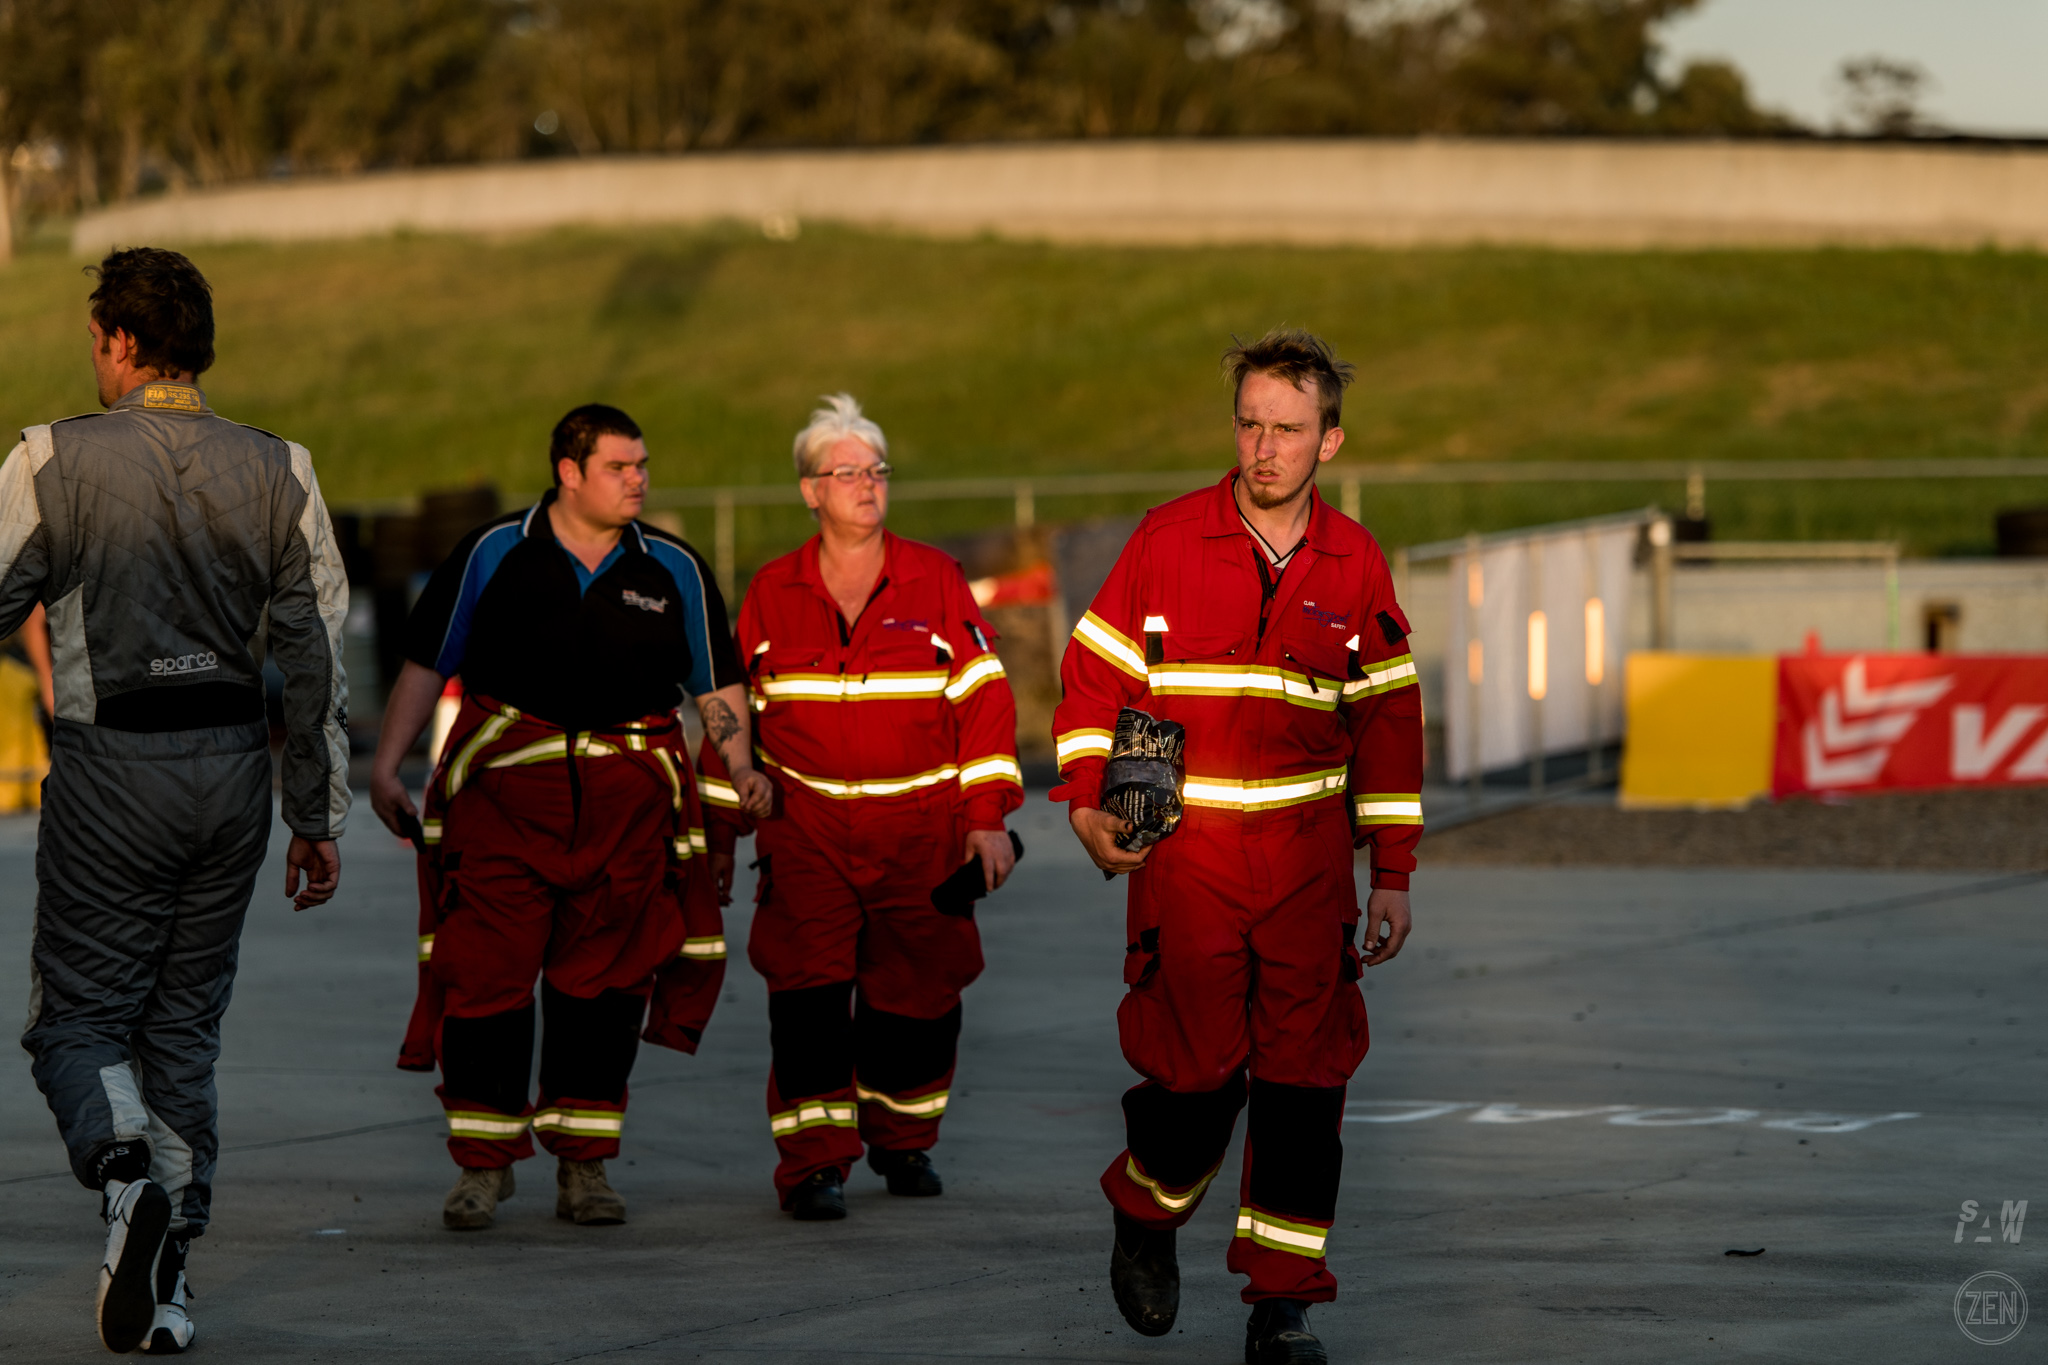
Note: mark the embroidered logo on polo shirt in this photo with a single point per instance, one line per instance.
(634, 599)
(173, 397)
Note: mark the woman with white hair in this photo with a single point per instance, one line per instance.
(884, 720)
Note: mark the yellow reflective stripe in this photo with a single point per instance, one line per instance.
(430, 831)
(490, 1127)
(709, 949)
(1389, 808)
(1172, 1203)
(550, 749)
(680, 846)
(1219, 680)
(815, 1115)
(609, 1122)
(494, 725)
(985, 669)
(852, 687)
(881, 786)
(1386, 675)
(717, 793)
(426, 947)
(1077, 743)
(698, 843)
(994, 768)
(1114, 646)
(1264, 793)
(922, 1106)
(1303, 1239)
(668, 766)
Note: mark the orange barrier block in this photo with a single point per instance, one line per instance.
(1701, 729)
(24, 758)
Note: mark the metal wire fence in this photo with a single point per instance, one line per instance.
(1025, 493)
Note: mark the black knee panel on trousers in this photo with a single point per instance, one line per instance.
(894, 1053)
(587, 1047)
(1297, 1153)
(488, 1060)
(1179, 1138)
(810, 1033)
(122, 1159)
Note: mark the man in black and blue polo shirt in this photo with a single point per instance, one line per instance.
(558, 824)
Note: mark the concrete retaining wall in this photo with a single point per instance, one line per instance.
(1552, 192)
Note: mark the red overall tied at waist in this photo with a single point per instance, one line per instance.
(680, 938)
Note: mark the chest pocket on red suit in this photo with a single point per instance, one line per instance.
(1197, 647)
(788, 659)
(776, 662)
(1319, 654)
(904, 654)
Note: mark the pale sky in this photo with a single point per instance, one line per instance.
(1988, 58)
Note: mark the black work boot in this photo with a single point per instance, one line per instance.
(908, 1173)
(820, 1198)
(1145, 1277)
(1278, 1335)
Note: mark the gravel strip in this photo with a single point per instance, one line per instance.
(1987, 830)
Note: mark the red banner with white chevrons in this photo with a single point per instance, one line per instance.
(1873, 722)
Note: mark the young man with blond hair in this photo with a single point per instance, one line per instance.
(1264, 622)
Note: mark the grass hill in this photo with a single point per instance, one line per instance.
(413, 363)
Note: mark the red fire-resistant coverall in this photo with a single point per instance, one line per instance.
(887, 740)
(598, 887)
(1304, 737)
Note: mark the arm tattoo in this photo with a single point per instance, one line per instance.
(719, 721)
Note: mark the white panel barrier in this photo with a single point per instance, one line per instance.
(1539, 624)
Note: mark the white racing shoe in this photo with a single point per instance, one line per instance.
(172, 1331)
(138, 1214)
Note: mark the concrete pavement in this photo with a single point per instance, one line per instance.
(1585, 1087)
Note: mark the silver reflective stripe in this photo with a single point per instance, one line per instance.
(330, 588)
(124, 1098)
(69, 660)
(170, 1164)
(20, 514)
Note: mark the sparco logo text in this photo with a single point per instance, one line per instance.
(184, 663)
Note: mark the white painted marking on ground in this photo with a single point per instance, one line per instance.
(1682, 1118)
(1516, 1113)
(1401, 1111)
(1837, 1123)
(1619, 1115)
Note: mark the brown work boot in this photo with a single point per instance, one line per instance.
(473, 1203)
(583, 1194)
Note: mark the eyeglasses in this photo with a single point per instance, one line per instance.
(846, 476)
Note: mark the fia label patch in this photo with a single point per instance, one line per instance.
(172, 398)
(645, 603)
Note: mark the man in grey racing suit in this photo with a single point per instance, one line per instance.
(168, 546)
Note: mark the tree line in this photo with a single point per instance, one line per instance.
(100, 102)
